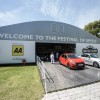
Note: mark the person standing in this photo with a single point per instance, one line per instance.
(57, 55)
(52, 58)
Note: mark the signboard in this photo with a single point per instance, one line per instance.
(46, 38)
(90, 49)
(17, 50)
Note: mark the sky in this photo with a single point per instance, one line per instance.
(75, 12)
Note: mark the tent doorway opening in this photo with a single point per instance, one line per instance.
(43, 50)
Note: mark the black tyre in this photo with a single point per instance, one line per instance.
(68, 65)
(83, 67)
(95, 64)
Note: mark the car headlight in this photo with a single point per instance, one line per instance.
(72, 62)
(83, 61)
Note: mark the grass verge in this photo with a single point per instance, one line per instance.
(20, 83)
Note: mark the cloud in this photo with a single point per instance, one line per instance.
(7, 16)
(50, 8)
(59, 10)
(23, 13)
(69, 12)
(10, 17)
(86, 17)
(56, 10)
(66, 13)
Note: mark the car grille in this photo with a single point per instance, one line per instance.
(80, 65)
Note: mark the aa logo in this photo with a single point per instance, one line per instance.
(17, 50)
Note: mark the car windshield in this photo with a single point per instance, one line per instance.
(94, 56)
(72, 56)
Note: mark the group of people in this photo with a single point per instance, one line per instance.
(52, 57)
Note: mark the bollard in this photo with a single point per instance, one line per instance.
(24, 61)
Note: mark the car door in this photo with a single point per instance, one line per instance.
(83, 57)
(87, 59)
(91, 60)
(65, 60)
(62, 59)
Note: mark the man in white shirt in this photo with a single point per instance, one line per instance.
(52, 58)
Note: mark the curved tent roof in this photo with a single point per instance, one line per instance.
(47, 31)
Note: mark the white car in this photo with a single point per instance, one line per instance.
(91, 59)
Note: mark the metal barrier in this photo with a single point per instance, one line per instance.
(44, 75)
(42, 71)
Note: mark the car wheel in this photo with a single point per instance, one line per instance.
(83, 68)
(68, 65)
(95, 64)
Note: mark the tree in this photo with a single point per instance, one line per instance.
(93, 28)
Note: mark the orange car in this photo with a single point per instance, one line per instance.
(72, 61)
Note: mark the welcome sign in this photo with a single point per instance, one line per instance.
(45, 38)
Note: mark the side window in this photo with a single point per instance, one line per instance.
(82, 55)
(87, 55)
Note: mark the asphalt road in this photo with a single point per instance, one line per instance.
(60, 77)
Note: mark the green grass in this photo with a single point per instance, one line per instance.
(20, 83)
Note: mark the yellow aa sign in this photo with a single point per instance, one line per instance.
(17, 50)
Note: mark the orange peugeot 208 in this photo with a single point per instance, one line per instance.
(72, 61)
